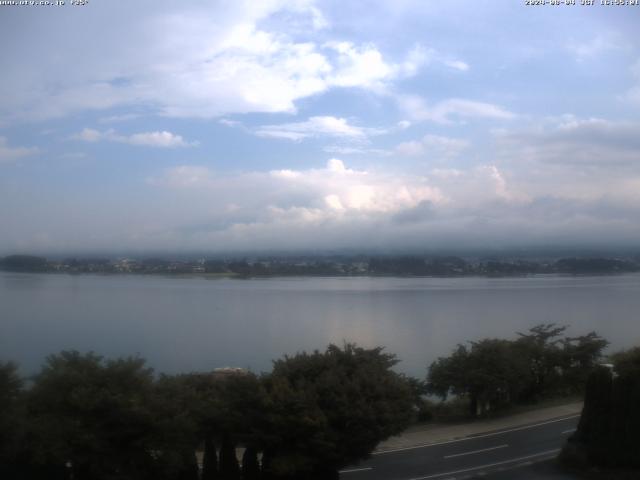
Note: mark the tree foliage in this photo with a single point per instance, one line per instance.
(493, 373)
(331, 409)
(93, 416)
(607, 434)
(12, 418)
(89, 418)
(489, 373)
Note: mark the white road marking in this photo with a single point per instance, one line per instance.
(352, 470)
(571, 430)
(436, 475)
(476, 451)
(425, 445)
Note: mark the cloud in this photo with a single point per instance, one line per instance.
(457, 65)
(450, 110)
(568, 140)
(184, 176)
(421, 56)
(73, 155)
(433, 145)
(322, 126)
(161, 139)
(634, 93)
(358, 66)
(356, 150)
(585, 50)
(364, 65)
(321, 190)
(202, 61)
(10, 154)
(125, 117)
(337, 206)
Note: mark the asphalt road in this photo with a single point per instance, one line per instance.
(491, 455)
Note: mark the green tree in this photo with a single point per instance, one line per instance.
(580, 355)
(330, 409)
(228, 408)
(229, 467)
(210, 459)
(13, 455)
(541, 346)
(627, 363)
(250, 464)
(177, 429)
(92, 414)
(489, 374)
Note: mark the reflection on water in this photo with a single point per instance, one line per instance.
(182, 324)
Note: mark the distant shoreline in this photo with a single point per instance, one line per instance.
(315, 266)
(235, 276)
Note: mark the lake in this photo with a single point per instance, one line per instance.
(186, 324)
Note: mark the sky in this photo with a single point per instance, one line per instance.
(318, 125)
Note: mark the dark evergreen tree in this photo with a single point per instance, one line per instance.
(210, 459)
(13, 454)
(190, 471)
(229, 467)
(250, 464)
(607, 434)
(266, 467)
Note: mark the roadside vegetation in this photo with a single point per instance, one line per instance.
(606, 443)
(84, 417)
(496, 374)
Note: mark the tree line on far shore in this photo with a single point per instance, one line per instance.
(340, 265)
(83, 417)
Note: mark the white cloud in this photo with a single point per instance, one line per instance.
(320, 190)
(338, 189)
(185, 176)
(125, 117)
(420, 56)
(356, 150)
(10, 154)
(321, 126)
(433, 145)
(230, 123)
(337, 205)
(634, 92)
(161, 139)
(450, 110)
(201, 61)
(90, 135)
(358, 66)
(457, 65)
(584, 50)
(412, 148)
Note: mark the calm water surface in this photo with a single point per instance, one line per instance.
(184, 324)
